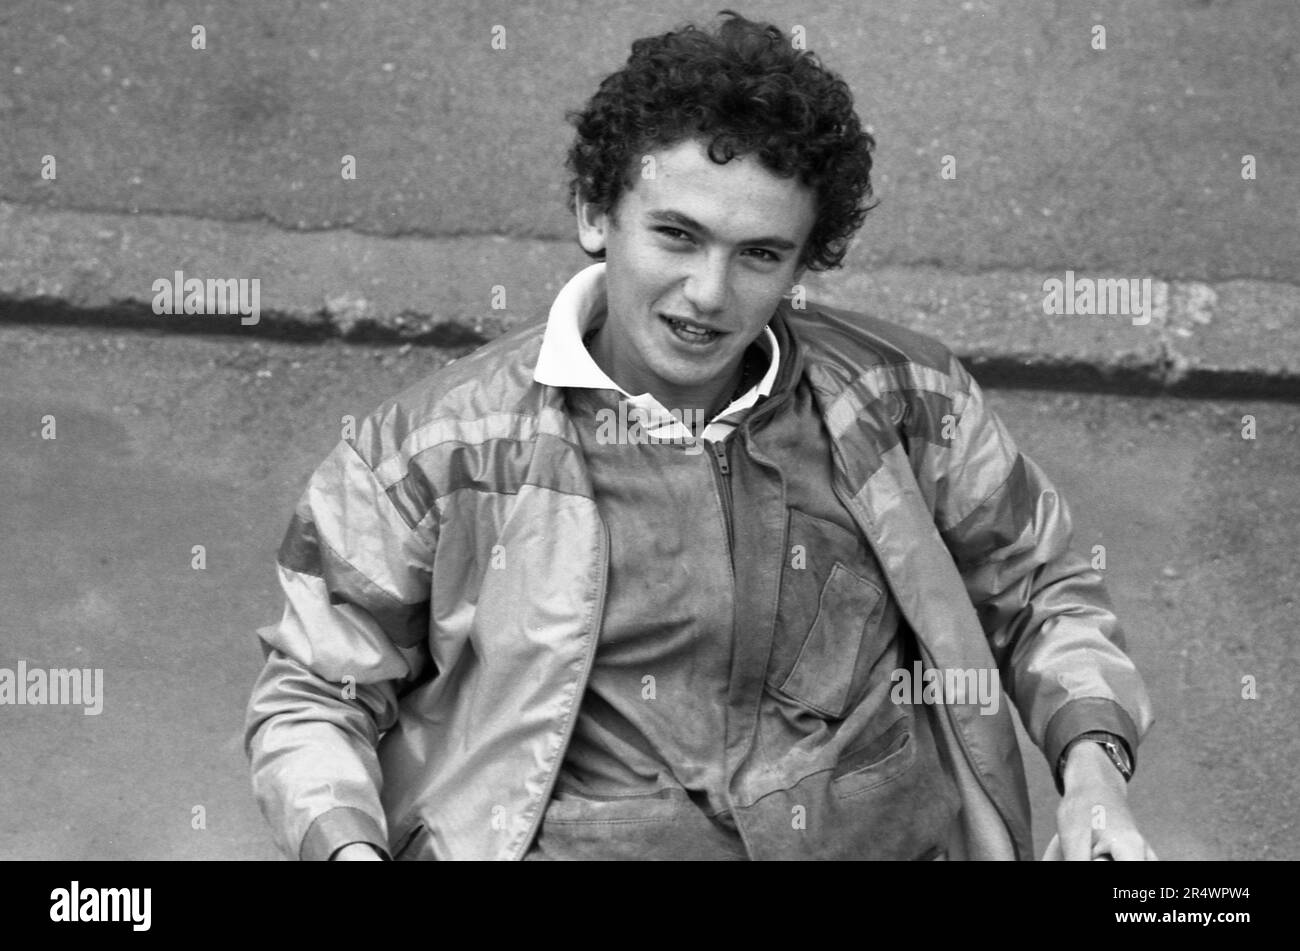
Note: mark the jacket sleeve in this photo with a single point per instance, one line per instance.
(1044, 608)
(355, 576)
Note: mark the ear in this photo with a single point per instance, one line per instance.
(592, 225)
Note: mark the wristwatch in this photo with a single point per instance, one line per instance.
(1112, 744)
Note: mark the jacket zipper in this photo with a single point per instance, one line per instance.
(723, 470)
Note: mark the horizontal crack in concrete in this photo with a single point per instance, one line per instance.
(273, 324)
(1169, 374)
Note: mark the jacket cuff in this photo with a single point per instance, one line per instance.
(341, 826)
(1084, 716)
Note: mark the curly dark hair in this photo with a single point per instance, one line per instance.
(743, 89)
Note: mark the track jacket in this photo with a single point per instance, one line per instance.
(444, 575)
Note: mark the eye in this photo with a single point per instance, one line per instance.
(764, 255)
(674, 234)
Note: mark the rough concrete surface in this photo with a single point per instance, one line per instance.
(1234, 338)
(1124, 158)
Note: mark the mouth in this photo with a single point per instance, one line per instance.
(690, 332)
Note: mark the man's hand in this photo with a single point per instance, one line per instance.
(1093, 819)
(357, 852)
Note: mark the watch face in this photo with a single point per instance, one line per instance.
(1119, 758)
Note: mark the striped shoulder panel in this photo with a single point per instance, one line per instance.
(497, 377)
(864, 366)
(858, 340)
(480, 423)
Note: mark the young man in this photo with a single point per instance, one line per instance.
(686, 570)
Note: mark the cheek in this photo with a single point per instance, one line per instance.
(630, 298)
(649, 288)
(762, 297)
(637, 269)
(639, 253)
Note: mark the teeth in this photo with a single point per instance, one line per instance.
(683, 328)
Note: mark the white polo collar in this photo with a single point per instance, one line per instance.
(564, 360)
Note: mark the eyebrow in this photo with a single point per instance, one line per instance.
(686, 221)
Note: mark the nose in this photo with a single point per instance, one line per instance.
(706, 284)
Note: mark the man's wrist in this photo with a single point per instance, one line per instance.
(1096, 752)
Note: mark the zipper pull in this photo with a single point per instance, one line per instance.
(720, 450)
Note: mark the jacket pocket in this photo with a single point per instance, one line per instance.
(849, 612)
(885, 756)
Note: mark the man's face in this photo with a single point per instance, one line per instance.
(696, 245)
